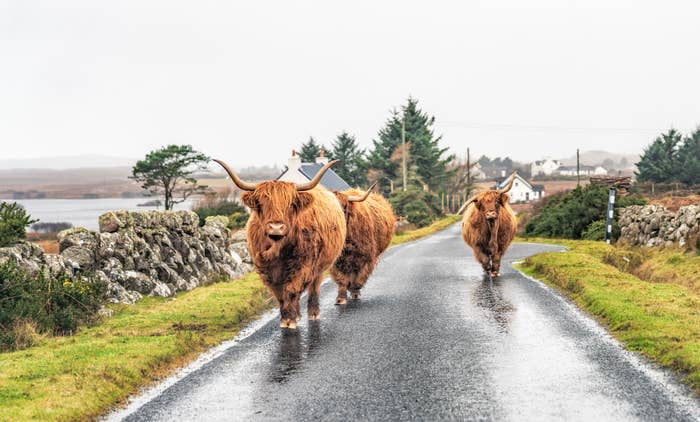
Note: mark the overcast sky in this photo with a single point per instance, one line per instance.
(248, 81)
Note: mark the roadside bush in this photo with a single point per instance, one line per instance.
(418, 206)
(32, 306)
(596, 231)
(570, 214)
(14, 221)
(236, 213)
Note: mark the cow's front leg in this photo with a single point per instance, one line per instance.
(313, 308)
(483, 258)
(496, 267)
(342, 281)
(289, 307)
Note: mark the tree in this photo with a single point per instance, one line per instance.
(352, 166)
(311, 150)
(659, 162)
(689, 159)
(426, 159)
(169, 172)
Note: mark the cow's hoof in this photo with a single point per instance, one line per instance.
(284, 323)
(355, 295)
(341, 301)
(316, 317)
(495, 274)
(292, 325)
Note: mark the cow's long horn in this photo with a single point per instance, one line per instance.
(509, 185)
(464, 207)
(313, 182)
(237, 180)
(360, 198)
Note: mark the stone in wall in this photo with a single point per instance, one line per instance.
(654, 225)
(149, 253)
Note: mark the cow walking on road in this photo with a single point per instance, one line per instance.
(489, 226)
(370, 227)
(295, 233)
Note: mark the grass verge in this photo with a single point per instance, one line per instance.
(437, 225)
(82, 376)
(660, 320)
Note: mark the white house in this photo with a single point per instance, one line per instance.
(545, 167)
(584, 171)
(298, 172)
(522, 190)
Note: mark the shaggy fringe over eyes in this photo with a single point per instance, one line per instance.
(276, 195)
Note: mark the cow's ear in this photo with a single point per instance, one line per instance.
(303, 200)
(343, 199)
(504, 198)
(249, 200)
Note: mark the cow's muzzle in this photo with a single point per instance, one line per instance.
(491, 215)
(276, 231)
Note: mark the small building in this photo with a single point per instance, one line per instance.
(522, 190)
(545, 167)
(584, 171)
(298, 172)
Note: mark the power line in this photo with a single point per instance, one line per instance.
(571, 129)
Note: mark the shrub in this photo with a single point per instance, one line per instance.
(237, 220)
(596, 231)
(225, 208)
(418, 206)
(34, 305)
(14, 221)
(570, 214)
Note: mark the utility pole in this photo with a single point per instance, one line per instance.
(403, 145)
(469, 169)
(578, 167)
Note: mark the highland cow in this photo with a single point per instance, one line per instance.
(295, 233)
(489, 226)
(370, 227)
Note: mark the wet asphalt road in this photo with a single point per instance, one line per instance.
(432, 339)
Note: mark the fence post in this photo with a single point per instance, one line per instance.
(611, 211)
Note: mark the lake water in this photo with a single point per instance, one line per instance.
(84, 212)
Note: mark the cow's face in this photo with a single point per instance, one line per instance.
(490, 203)
(276, 205)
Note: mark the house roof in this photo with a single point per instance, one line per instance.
(330, 179)
(536, 188)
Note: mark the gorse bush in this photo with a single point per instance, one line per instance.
(43, 304)
(14, 221)
(570, 215)
(236, 213)
(418, 206)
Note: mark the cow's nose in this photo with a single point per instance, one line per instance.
(491, 215)
(276, 229)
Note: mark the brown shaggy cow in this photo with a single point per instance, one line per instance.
(295, 233)
(489, 226)
(370, 226)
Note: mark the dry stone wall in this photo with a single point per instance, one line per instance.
(654, 225)
(150, 253)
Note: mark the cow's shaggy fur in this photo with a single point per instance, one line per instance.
(489, 239)
(370, 227)
(288, 266)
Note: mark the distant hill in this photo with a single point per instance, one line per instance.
(67, 162)
(595, 158)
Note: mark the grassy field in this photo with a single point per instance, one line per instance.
(83, 376)
(658, 317)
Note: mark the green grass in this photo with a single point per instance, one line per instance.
(660, 320)
(83, 376)
(425, 231)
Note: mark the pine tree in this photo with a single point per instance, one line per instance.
(659, 162)
(352, 166)
(689, 158)
(425, 156)
(309, 151)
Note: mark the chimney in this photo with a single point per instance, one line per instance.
(322, 159)
(294, 163)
